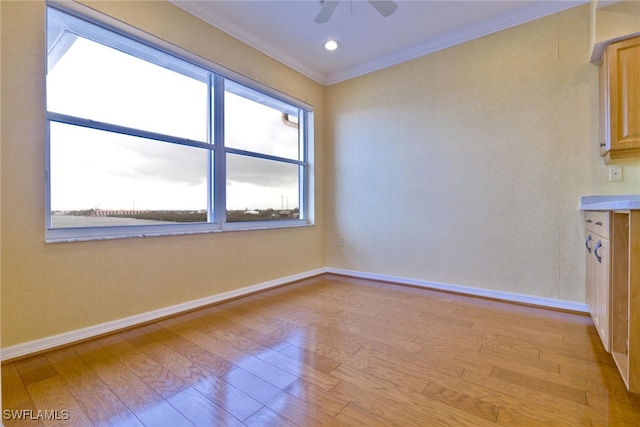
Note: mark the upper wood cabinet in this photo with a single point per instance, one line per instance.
(620, 100)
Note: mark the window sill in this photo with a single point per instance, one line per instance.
(64, 236)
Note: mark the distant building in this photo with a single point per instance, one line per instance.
(116, 212)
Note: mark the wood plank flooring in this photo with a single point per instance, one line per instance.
(332, 351)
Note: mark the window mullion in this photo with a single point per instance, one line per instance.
(220, 162)
(211, 213)
(303, 177)
(124, 130)
(264, 156)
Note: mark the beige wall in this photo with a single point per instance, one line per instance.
(466, 166)
(615, 21)
(49, 289)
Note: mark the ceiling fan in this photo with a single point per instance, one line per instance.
(385, 7)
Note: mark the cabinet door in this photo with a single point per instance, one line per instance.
(591, 275)
(620, 99)
(605, 114)
(602, 291)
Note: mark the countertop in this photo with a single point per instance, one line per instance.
(609, 203)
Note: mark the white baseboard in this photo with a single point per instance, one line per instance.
(487, 293)
(47, 343)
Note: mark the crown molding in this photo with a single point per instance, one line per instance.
(453, 38)
(532, 12)
(249, 38)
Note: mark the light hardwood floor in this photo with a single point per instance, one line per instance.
(333, 351)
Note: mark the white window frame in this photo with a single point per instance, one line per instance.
(219, 78)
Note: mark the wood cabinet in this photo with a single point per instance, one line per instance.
(625, 296)
(597, 225)
(620, 100)
(613, 286)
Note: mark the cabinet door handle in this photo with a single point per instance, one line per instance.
(587, 243)
(595, 251)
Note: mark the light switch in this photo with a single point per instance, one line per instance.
(615, 173)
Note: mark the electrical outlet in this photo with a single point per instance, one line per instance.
(615, 173)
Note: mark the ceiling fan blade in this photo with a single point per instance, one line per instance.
(385, 7)
(327, 10)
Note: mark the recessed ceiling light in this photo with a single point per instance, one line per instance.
(331, 45)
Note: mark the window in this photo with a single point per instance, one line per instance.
(144, 142)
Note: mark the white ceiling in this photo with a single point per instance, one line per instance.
(286, 31)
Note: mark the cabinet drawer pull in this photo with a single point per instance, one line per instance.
(595, 251)
(599, 223)
(587, 243)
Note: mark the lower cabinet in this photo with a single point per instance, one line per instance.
(625, 296)
(599, 273)
(613, 286)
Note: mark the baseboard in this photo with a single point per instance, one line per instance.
(48, 343)
(486, 293)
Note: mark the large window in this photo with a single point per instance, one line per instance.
(144, 142)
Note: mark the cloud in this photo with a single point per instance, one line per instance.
(91, 167)
(260, 172)
(162, 161)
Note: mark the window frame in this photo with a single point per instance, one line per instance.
(217, 176)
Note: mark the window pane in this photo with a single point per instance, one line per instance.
(96, 82)
(252, 126)
(102, 178)
(259, 189)
(105, 81)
